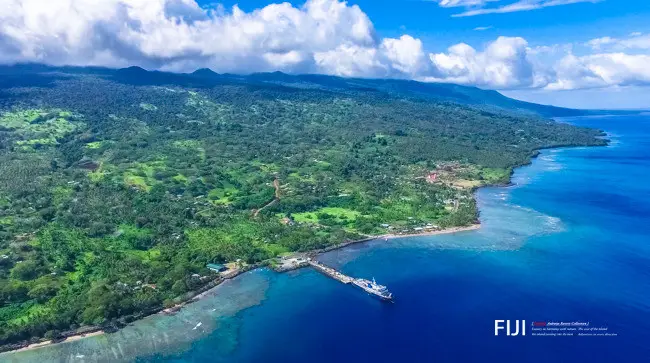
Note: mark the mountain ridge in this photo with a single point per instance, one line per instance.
(205, 77)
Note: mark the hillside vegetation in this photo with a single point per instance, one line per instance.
(118, 187)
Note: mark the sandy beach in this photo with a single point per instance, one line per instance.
(68, 339)
(434, 233)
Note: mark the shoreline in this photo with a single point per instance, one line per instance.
(96, 330)
(449, 230)
(201, 294)
(46, 343)
(388, 236)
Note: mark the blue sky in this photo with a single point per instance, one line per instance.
(575, 23)
(574, 53)
(438, 29)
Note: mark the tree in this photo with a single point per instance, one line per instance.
(43, 292)
(26, 270)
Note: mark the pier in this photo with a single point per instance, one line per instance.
(328, 271)
(370, 287)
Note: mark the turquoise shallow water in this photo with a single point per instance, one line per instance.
(569, 242)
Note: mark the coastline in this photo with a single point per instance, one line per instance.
(71, 338)
(388, 236)
(91, 331)
(201, 293)
(449, 230)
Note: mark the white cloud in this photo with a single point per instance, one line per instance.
(286, 60)
(406, 55)
(483, 28)
(465, 3)
(601, 70)
(509, 63)
(598, 43)
(552, 50)
(503, 64)
(322, 36)
(639, 41)
(157, 33)
(633, 41)
(478, 8)
(351, 60)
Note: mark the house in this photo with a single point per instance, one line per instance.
(432, 177)
(216, 267)
(287, 221)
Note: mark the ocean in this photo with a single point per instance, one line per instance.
(568, 242)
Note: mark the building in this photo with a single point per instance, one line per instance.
(216, 267)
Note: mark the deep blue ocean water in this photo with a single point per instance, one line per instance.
(569, 242)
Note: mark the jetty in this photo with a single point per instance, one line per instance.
(371, 287)
(328, 271)
(301, 260)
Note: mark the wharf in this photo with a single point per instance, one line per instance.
(328, 271)
(370, 287)
(291, 263)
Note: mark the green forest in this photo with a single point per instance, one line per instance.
(111, 180)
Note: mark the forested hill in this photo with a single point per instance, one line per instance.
(24, 74)
(117, 187)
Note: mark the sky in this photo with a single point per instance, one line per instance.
(573, 53)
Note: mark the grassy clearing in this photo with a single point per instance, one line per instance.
(495, 176)
(94, 145)
(36, 129)
(224, 195)
(142, 175)
(339, 215)
(274, 250)
(193, 146)
(136, 181)
(97, 175)
(20, 119)
(303, 178)
(266, 168)
(467, 184)
(180, 178)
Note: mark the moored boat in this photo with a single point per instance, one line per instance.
(372, 287)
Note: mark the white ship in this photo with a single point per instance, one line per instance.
(372, 287)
